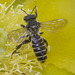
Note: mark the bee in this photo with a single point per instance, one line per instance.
(32, 31)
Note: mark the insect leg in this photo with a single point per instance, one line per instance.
(45, 42)
(26, 41)
(22, 26)
(17, 47)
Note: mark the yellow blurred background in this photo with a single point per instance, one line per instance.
(61, 58)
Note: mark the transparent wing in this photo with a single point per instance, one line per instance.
(16, 35)
(53, 25)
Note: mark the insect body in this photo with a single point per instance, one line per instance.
(39, 47)
(31, 30)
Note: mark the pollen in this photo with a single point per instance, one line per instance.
(23, 62)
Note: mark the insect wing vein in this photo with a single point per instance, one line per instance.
(53, 24)
(15, 35)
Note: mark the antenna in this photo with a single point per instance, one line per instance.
(33, 9)
(24, 11)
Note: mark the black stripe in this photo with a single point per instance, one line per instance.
(39, 48)
(37, 45)
(41, 53)
(36, 41)
(42, 58)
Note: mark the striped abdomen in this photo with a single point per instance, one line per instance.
(39, 48)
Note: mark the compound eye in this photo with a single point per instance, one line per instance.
(25, 19)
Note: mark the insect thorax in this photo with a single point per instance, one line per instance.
(33, 27)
